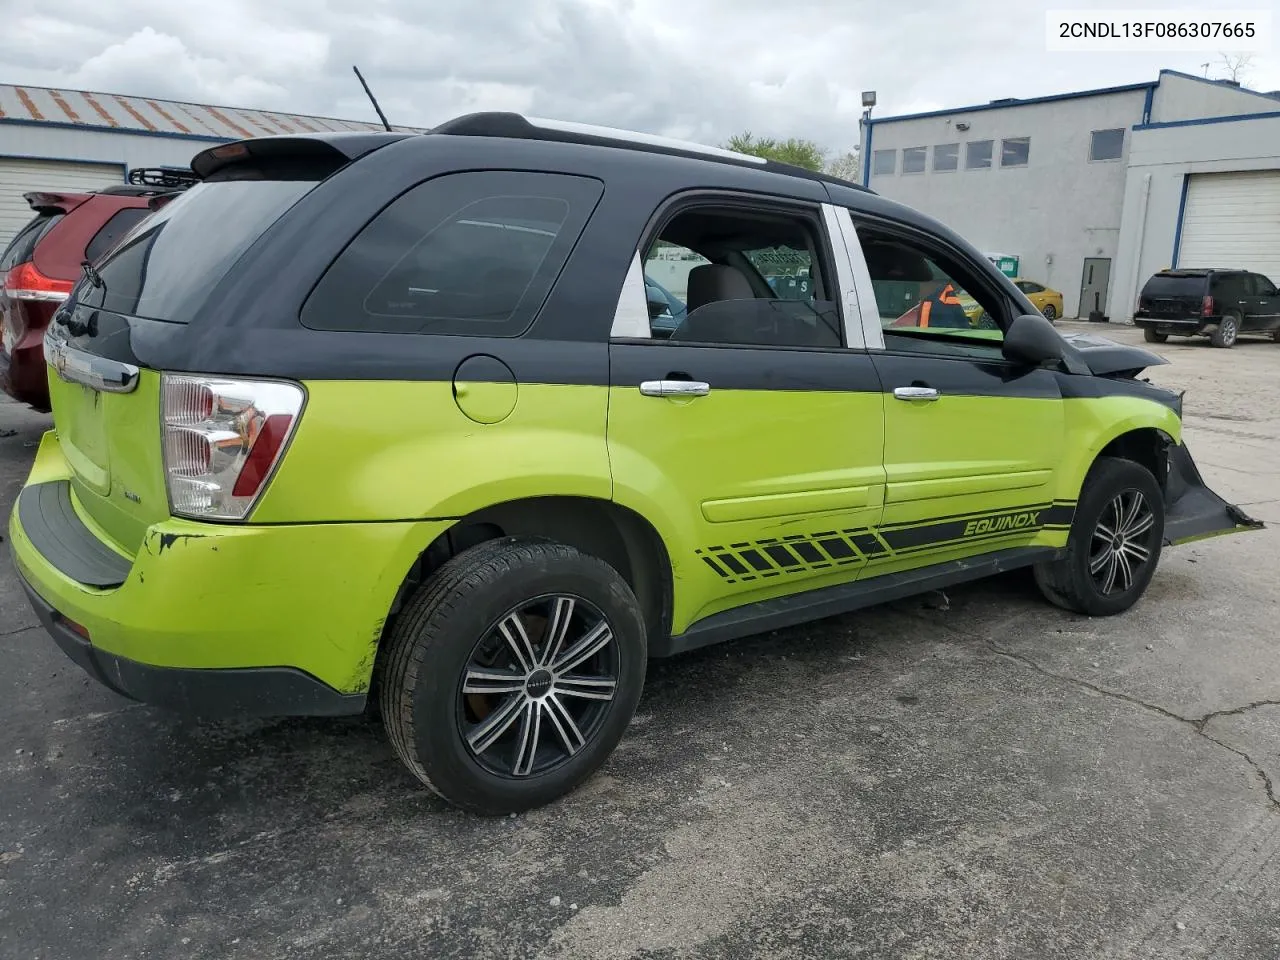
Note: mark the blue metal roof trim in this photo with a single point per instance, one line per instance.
(1029, 101)
(1218, 83)
(1202, 121)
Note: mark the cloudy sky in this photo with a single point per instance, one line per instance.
(701, 69)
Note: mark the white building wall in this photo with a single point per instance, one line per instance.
(1159, 159)
(1052, 213)
(1186, 98)
(34, 141)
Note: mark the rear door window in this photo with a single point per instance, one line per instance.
(121, 222)
(467, 253)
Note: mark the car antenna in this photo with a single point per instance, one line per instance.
(372, 99)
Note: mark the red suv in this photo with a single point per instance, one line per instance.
(43, 262)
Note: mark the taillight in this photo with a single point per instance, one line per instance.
(1206, 307)
(25, 282)
(222, 441)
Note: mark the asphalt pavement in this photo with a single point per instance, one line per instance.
(968, 775)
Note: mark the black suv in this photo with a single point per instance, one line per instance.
(1219, 304)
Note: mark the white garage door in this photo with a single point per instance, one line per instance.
(23, 176)
(1233, 220)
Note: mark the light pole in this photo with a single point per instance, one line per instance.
(864, 134)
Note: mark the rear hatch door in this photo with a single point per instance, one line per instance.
(1173, 296)
(106, 402)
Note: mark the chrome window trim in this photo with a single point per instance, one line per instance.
(871, 333)
(631, 315)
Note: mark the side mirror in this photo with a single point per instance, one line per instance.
(1032, 340)
(657, 307)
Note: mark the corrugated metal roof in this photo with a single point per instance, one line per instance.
(147, 115)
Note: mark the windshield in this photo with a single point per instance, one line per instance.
(165, 267)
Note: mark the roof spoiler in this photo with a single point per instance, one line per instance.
(328, 151)
(49, 201)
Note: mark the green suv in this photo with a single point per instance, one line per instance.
(383, 419)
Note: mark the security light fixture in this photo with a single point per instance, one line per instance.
(868, 98)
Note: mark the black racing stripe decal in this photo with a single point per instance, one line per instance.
(960, 375)
(816, 553)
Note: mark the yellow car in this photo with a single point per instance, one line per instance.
(1047, 301)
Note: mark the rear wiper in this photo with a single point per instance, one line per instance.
(92, 275)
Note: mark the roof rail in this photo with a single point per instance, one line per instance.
(171, 177)
(517, 127)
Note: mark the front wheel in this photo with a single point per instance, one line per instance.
(513, 673)
(1227, 333)
(1114, 544)
(1152, 335)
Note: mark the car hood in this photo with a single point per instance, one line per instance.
(1104, 357)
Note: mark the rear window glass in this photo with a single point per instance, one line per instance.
(1174, 286)
(468, 253)
(165, 268)
(23, 246)
(110, 232)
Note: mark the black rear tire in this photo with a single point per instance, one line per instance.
(1118, 531)
(1152, 335)
(1050, 312)
(1228, 331)
(456, 630)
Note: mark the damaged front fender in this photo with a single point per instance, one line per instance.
(1192, 510)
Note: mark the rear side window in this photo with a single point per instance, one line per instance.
(468, 253)
(22, 247)
(110, 232)
(1172, 285)
(167, 265)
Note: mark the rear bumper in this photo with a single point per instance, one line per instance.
(254, 692)
(266, 619)
(1178, 328)
(24, 376)
(1192, 510)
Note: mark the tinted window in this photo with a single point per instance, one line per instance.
(110, 233)
(1015, 152)
(1106, 144)
(913, 159)
(977, 155)
(1026, 286)
(946, 156)
(1231, 286)
(884, 162)
(1262, 286)
(469, 253)
(1174, 285)
(22, 246)
(751, 278)
(166, 267)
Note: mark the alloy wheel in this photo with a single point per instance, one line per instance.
(1229, 330)
(1121, 545)
(537, 686)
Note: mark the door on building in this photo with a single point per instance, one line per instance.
(1229, 220)
(1093, 287)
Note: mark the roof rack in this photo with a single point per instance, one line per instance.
(517, 127)
(170, 177)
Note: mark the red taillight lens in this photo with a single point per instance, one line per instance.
(25, 282)
(222, 441)
(1206, 307)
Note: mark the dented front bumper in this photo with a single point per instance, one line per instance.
(1192, 510)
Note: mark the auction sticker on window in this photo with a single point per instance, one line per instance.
(1138, 31)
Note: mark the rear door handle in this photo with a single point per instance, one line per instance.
(915, 393)
(674, 388)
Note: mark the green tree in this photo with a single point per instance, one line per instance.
(847, 166)
(794, 150)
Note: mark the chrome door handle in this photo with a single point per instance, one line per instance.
(915, 393)
(674, 388)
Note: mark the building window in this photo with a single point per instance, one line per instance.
(884, 162)
(1015, 152)
(977, 155)
(946, 156)
(1107, 144)
(913, 159)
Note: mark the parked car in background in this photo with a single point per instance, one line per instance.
(42, 263)
(1219, 304)
(1045, 299)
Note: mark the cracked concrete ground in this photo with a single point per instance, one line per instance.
(986, 778)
